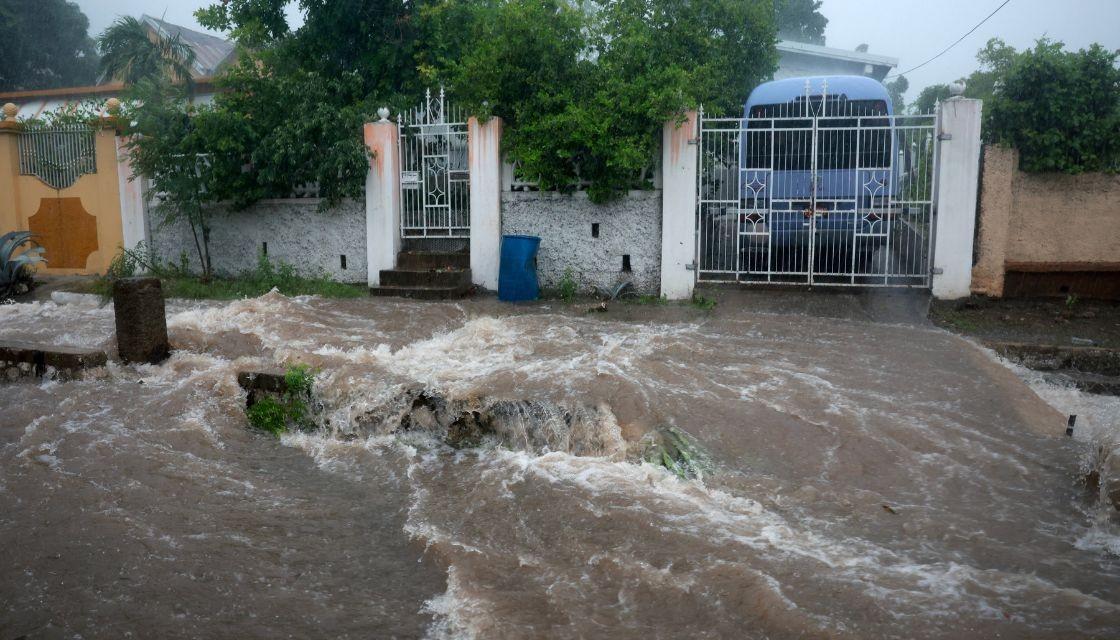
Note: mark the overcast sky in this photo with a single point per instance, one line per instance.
(911, 30)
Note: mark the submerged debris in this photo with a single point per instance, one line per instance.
(677, 451)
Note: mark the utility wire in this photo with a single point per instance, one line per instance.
(970, 31)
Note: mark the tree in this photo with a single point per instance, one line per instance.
(46, 44)
(800, 20)
(927, 100)
(1061, 109)
(131, 54)
(897, 90)
(192, 155)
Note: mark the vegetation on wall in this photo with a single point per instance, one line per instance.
(584, 88)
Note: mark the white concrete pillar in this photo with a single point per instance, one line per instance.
(678, 208)
(383, 197)
(130, 188)
(958, 171)
(485, 146)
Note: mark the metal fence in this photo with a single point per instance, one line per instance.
(822, 193)
(435, 178)
(58, 155)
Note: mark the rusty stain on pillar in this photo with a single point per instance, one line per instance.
(141, 320)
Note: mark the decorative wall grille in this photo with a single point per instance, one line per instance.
(58, 155)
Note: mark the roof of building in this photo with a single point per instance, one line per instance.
(210, 51)
(789, 46)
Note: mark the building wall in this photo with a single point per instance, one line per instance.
(1045, 224)
(630, 225)
(296, 233)
(22, 197)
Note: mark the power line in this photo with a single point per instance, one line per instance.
(895, 75)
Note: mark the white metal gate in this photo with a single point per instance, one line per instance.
(435, 177)
(820, 191)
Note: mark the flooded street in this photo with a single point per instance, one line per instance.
(866, 480)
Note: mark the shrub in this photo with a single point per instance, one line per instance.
(291, 410)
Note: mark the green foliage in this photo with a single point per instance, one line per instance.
(292, 409)
(584, 90)
(800, 20)
(678, 452)
(130, 55)
(927, 100)
(19, 254)
(268, 415)
(1061, 109)
(45, 44)
(702, 303)
(567, 288)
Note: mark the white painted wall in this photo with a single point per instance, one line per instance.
(957, 183)
(678, 209)
(131, 193)
(383, 196)
(485, 158)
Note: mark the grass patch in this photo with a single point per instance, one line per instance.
(178, 282)
(291, 409)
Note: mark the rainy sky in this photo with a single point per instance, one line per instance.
(911, 30)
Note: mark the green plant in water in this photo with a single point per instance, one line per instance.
(678, 452)
(568, 287)
(1071, 301)
(292, 409)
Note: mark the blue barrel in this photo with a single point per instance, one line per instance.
(517, 273)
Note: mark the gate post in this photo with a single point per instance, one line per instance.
(383, 197)
(958, 178)
(485, 162)
(678, 208)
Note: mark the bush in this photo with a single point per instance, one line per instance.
(1060, 109)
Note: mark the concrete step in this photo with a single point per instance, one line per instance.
(424, 260)
(426, 277)
(422, 293)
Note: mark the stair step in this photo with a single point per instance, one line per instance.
(421, 293)
(425, 277)
(421, 260)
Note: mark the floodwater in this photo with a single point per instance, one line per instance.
(867, 481)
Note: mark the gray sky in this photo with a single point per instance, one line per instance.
(910, 30)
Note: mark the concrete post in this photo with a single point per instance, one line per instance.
(958, 171)
(485, 146)
(678, 208)
(10, 219)
(383, 197)
(141, 320)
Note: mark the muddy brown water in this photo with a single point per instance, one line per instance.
(870, 481)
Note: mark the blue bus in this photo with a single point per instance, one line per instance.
(817, 155)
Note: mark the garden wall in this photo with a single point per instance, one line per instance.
(1046, 234)
(628, 226)
(294, 230)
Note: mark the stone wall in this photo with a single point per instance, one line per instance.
(294, 230)
(1045, 225)
(628, 226)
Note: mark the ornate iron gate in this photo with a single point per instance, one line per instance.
(435, 179)
(818, 191)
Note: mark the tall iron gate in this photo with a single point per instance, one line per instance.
(435, 179)
(818, 191)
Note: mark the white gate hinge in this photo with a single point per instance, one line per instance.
(691, 266)
(937, 271)
(944, 136)
(694, 141)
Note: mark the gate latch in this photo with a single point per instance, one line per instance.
(691, 266)
(944, 136)
(937, 271)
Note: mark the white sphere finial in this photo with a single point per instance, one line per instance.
(956, 89)
(383, 113)
(10, 111)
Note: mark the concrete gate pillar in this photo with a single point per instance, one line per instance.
(485, 157)
(383, 197)
(678, 208)
(958, 171)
